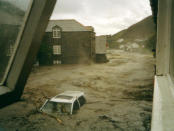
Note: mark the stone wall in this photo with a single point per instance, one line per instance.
(77, 47)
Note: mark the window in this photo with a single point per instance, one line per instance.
(56, 108)
(56, 49)
(56, 62)
(56, 33)
(17, 34)
(76, 106)
(82, 100)
(10, 31)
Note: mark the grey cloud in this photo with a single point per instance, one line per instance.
(106, 16)
(68, 7)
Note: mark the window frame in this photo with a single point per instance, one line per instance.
(163, 102)
(57, 50)
(56, 62)
(17, 41)
(56, 32)
(29, 43)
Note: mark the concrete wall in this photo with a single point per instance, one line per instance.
(164, 36)
(163, 101)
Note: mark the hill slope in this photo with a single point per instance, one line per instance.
(139, 35)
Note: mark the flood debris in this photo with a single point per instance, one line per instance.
(56, 118)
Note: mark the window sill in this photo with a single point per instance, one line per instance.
(57, 37)
(163, 104)
(4, 90)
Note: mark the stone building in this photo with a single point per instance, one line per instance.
(67, 42)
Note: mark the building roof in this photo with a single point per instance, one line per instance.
(90, 28)
(66, 25)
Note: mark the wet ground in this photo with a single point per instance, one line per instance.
(119, 96)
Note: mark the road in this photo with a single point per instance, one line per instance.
(119, 96)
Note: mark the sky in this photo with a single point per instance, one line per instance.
(106, 16)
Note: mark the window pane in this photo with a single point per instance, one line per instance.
(56, 49)
(56, 33)
(55, 109)
(57, 62)
(12, 14)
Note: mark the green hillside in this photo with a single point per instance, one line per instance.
(139, 35)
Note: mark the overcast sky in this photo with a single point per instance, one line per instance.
(106, 16)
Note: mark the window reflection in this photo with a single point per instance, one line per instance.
(12, 14)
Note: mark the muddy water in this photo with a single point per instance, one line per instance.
(119, 96)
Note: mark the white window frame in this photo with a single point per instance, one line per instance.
(56, 33)
(56, 49)
(56, 62)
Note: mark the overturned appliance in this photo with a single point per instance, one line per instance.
(64, 103)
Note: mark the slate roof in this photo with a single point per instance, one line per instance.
(67, 25)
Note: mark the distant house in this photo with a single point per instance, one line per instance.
(67, 42)
(101, 48)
